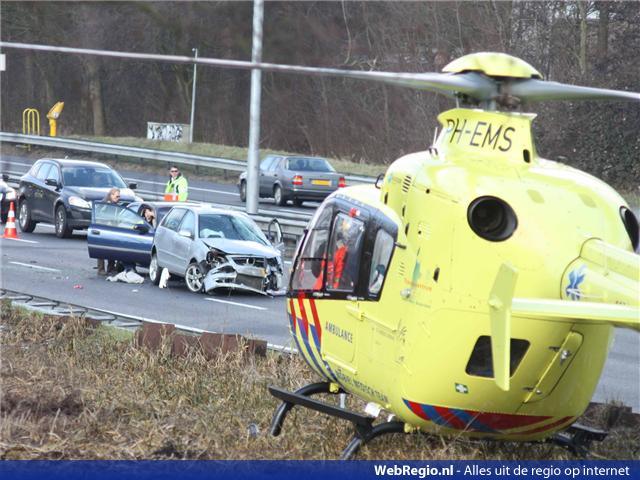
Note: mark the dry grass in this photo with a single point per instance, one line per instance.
(69, 391)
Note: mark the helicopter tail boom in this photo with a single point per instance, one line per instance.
(577, 312)
(604, 273)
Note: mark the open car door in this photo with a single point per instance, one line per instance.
(118, 233)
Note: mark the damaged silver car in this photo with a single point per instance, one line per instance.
(215, 249)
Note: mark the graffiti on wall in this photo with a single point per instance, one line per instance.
(171, 132)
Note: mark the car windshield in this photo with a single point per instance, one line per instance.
(88, 176)
(231, 227)
(304, 164)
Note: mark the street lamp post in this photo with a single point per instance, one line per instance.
(254, 111)
(193, 94)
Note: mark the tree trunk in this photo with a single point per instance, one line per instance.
(603, 30)
(95, 95)
(582, 56)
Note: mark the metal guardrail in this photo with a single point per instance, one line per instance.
(292, 229)
(146, 153)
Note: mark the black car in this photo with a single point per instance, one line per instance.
(61, 192)
(7, 195)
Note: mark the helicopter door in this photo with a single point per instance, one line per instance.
(345, 248)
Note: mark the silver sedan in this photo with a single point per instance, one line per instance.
(216, 249)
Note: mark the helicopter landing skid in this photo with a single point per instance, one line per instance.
(577, 438)
(365, 431)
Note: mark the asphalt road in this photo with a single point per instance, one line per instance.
(41, 264)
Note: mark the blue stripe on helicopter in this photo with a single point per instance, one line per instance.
(471, 421)
(458, 419)
(313, 366)
(305, 340)
(316, 340)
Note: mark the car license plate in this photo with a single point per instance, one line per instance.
(321, 182)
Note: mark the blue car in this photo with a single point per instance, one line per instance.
(119, 232)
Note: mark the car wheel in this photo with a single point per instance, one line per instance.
(61, 223)
(297, 202)
(278, 196)
(154, 270)
(24, 217)
(243, 191)
(194, 277)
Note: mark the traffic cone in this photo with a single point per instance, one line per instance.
(10, 227)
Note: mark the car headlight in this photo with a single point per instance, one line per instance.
(10, 194)
(78, 202)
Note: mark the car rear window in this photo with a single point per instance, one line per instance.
(302, 164)
(96, 177)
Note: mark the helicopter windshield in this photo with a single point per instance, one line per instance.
(310, 264)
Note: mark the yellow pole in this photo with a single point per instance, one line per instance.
(53, 115)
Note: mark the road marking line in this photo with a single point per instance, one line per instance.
(236, 304)
(36, 266)
(20, 240)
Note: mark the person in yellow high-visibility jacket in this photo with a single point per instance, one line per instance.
(177, 187)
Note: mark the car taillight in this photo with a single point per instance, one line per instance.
(342, 182)
(297, 180)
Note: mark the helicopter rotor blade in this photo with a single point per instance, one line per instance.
(539, 90)
(471, 84)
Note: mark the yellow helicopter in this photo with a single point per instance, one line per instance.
(475, 288)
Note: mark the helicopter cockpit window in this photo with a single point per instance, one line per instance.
(311, 262)
(344, 253)
(382, 249)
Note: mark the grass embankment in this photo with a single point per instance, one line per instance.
(70, 391)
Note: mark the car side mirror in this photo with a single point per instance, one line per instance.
(275, 236)
(5, 177)
(186, 233)
(141, 228)
(51, 182)
(274, 232)
(133, 185)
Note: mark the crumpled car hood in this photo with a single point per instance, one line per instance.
(240, 247)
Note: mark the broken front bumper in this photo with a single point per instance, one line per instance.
(230, 275)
